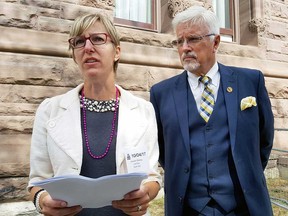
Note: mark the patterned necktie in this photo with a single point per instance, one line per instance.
(207, 99)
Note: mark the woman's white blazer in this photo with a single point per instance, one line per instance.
(56, 145)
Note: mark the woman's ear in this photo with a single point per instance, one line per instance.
(117, 53)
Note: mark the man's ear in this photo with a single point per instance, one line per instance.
(216, 42)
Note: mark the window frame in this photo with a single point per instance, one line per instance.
(230, 31)
(140, 25)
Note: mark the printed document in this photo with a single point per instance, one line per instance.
(89, 192)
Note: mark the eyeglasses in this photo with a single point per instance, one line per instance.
(95, 39)
(190, 40)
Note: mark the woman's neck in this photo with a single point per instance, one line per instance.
(100, 91)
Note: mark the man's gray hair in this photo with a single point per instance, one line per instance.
(200, 16)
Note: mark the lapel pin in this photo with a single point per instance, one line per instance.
(229, 89)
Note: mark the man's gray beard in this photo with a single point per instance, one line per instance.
(191, 66)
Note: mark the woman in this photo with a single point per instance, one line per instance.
(89, 130)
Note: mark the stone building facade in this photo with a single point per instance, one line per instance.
(35, 64)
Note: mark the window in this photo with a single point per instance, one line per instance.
(136, 13)
(224, 10)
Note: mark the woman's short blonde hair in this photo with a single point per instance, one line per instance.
(82, 23)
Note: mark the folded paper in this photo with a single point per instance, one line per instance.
(89, 192)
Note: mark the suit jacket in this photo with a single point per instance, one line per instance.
(251, 135)
(56, 146)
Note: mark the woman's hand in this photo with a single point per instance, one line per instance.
(52, 207)
(136, 202)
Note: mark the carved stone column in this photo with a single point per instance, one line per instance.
(176, 6)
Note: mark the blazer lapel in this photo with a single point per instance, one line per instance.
(230, 88)
(130, 126)
(180, 98)
(65, 130)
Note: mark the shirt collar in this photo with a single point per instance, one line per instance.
(212, 73)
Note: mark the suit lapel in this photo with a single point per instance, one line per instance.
(230, 89)
(181, 106)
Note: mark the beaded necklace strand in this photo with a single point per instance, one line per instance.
(85, 126)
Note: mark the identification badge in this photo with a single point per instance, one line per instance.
(137, 160)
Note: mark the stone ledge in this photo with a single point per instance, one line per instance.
(24, 208)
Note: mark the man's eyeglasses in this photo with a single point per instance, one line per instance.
(95, 39)
(190, 40)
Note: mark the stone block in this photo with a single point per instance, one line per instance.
(280, 139)
(16, 124)
(18, 154)
(13, 189)
(8, 170)
(54, 24)
(137, 36)
(15, 15)
(71, 11)
(56, 5)
(158, 74)
(35, 42)
(283, 165)
(272, 163)
(280, 107)
(14, 109)
(280, 122)
(132, 77)
(38, 70)
(269, 68)
(140, 54)
(143, 76)
(238, 50)
(277, 57)
(283, 172)
(277, 28)
(271, 173)
(103, 4)
(277, 87)
(14, 155)
(278, 10)
(29, 94)
(283, 160)
(274, 45)
(21, 208)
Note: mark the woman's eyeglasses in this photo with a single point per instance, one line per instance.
(95, 39)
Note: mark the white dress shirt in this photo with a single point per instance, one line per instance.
(197, 87)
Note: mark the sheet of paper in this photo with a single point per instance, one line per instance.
(89, 192)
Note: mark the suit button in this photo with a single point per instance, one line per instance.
(209, 127)
(210, 161)
(180, 199)
(51, 124)
(186, 170)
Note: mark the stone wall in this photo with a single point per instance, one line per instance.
(35, 64)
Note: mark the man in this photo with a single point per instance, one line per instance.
(215, 138)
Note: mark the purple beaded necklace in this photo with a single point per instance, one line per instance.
(85, 127)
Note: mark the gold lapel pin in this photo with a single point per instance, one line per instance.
(229, 89)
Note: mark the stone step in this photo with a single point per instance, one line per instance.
(23, 208)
